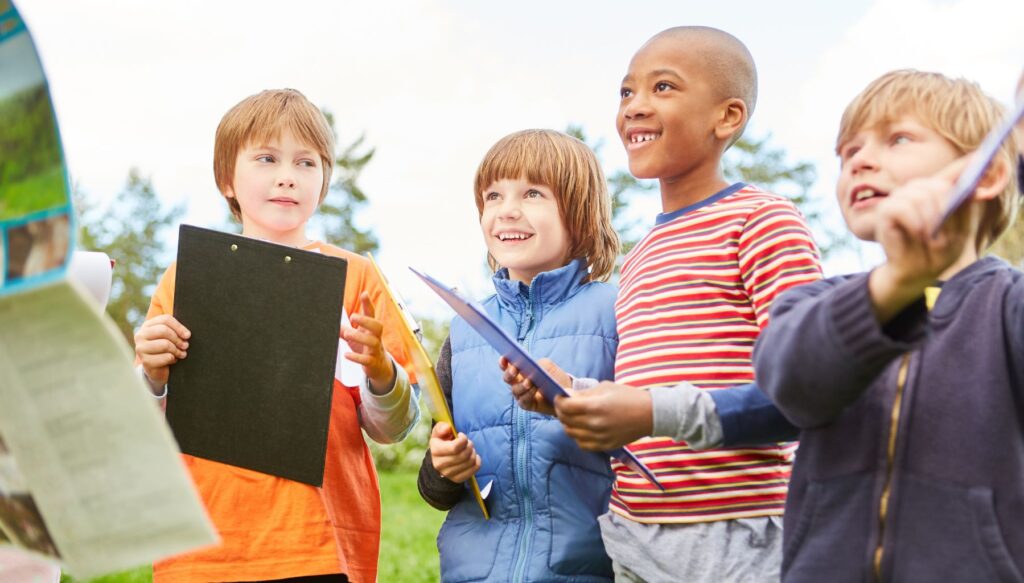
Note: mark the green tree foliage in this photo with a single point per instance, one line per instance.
(1011, 245)
(335, 219)
(749, 160)
(408, 455)
(31, 177)
(28, 138)
(756, 161)
(336, 215)
(130, 230)
(621, 185)
(434, 334)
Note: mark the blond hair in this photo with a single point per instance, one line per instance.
(259, 119)
(570, 169)
(956, 109)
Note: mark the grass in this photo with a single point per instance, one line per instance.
(40, 192)
(409, 527)
(408, 551)
(140, 575)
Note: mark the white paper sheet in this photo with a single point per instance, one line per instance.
(350, 374)
(93, 271)
(89, 439)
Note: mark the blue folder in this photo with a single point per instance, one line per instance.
(979, 163)
(475, 315)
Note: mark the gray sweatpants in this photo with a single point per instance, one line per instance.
(742, 550)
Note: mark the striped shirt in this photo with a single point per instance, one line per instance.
(693, 296)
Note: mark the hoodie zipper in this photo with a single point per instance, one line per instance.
(521, 455)
(894, 425)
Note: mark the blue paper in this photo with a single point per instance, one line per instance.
(971, 176)
(477, 317)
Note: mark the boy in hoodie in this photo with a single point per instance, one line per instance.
(908, 381)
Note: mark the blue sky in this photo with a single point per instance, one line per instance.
(434, 83)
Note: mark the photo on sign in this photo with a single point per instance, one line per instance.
(31, 169)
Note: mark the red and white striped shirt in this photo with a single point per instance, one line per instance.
(693, 296)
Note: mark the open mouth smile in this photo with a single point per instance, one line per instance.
(513, 236)
(864, 193)
(637, 138)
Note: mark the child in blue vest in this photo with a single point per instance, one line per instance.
(545, 214)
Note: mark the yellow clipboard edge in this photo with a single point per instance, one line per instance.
(426, 376)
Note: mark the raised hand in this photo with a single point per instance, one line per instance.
(906, 220)
(364, 338)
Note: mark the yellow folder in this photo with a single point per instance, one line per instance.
(426, 377)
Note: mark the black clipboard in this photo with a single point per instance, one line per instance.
(256, 387)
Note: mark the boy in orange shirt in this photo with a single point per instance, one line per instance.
(273, 157)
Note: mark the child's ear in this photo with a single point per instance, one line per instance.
(733, 114)
(994, 181)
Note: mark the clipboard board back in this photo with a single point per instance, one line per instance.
(256, 388)
(477, 317)
(426, 376)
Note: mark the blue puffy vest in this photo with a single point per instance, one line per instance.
(547, 493)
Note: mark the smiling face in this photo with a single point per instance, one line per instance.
(876, 161)
(668, 110)
(523, 229)
(277, 186)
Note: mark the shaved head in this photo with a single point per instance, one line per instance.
(729, 65)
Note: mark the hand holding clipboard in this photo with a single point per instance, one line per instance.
(476, 317)
(426, 376)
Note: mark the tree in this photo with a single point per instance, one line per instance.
(757, 162)
(130, 231)
(749, 160)
(408, 454)
(335, 219)
(1011, 245)
(621, 185)
(336, 215)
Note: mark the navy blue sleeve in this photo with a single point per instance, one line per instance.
(748, 417)
(823, 346)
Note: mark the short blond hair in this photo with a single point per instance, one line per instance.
(571, 170)
(956, 109)
(258, 119)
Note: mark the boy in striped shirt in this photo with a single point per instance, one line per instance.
(694, 295)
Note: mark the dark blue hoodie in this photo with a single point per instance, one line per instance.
(911, 459)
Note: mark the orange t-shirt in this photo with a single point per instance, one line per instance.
(273, 528)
